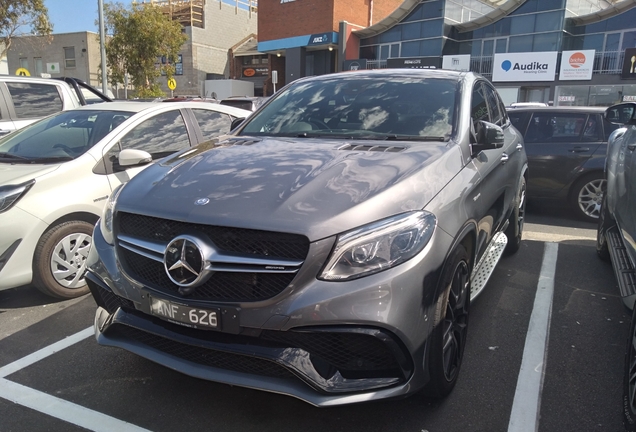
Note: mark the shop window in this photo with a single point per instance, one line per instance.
(546, 41)
(69, 57)
(38, 66)
(629, 40)
(611, 41)
(520, 44)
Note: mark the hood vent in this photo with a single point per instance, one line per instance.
(373, 148)
(237, 142)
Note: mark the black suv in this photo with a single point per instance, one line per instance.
(566, 149)
(616, 236)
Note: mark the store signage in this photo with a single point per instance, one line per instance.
(528, 66)
(320, 39)
(415, 63)
(567, 98)
(629, 64)
(286, 1)
(577, 65)
(456, 62)
(353, 65)
(627, 98)
(255, 72)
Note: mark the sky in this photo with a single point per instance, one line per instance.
(73, 16)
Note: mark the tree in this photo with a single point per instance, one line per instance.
(141, 36)
(19, 16)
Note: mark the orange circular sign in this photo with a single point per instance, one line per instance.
(577, 60)
(249, 72)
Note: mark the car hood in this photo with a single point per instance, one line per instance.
(12, 174)
(313, 187)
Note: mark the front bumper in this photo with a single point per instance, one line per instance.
(327, 343)
(21, 232)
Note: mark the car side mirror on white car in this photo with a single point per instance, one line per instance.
(131, 157)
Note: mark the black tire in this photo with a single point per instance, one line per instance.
(605, 222)
(629, 379)
(448, 338)
(515, 223)
(586, 196)
(60, 260)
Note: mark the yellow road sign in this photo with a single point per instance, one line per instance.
(22, 72)
(172, 83)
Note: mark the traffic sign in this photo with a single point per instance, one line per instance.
(22, 72)
(172, 83)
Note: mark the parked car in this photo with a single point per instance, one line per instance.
(24, 100)
(617, 231)
(329, 249)
(244, 102)
(566, 149)
(57, 173)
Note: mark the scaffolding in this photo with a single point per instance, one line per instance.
(188, 13)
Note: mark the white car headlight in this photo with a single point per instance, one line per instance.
(379, 246)
(106, 222)
(9, 195)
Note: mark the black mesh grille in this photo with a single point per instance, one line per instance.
(222, 286)
(345, 351)
(207, 357)
(108, 300)
(236, 240)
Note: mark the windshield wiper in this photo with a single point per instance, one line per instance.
(415, 138)
(6, 155)
(52, 159)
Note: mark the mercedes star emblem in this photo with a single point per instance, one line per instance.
(184, 263)
(202, 201)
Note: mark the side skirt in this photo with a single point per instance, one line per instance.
(487, 263)
(625, 274)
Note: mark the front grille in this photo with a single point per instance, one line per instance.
(235, 240)
(222, 286)
(205, 356)
(109, 300)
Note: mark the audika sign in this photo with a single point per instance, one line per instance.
(577, 65)
(528, 66)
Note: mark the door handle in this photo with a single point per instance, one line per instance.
(631, 147)
(504, 157)
(4, 132)
(519, 147)
(579, 149)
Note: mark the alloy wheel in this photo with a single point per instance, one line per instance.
(590, 198)
(456, 321)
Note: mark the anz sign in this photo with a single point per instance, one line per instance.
(320, 39)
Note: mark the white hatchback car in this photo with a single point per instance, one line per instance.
(56, 175)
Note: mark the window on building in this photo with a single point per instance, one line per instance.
(69, 57)
(38, 66)
(24, 63)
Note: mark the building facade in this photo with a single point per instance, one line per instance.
(562, 52)
(64, 54)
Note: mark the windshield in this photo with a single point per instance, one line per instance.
(378, 107)
(61, 137)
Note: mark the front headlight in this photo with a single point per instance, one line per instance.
(106, 222)
(9, 195)
(379, 246)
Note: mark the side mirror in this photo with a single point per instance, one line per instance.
(236, 123)
(620, 114)
(489, 136)
(130, 157)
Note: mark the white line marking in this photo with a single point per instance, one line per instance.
(527, 402)
(51, 405)
(63, 410)
(45, 352)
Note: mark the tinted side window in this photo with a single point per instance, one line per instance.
(556, 127)
(212, 123)
(608, 128)
(519, 119)
(160, 135)
(593, 130)
(34, 100)
(478, 106)
(493, 105)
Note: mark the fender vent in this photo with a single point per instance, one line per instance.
(374, 148)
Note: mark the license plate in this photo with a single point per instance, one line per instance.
(185, 315)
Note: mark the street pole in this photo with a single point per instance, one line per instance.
(102, 41)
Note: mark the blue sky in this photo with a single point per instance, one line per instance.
(73, 16)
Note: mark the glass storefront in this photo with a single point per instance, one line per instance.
(595, 95)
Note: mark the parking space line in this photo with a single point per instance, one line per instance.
(63, 410)
(51, 405)
(527, 401)
(45, 352)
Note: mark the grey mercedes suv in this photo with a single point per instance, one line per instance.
(328, 249)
